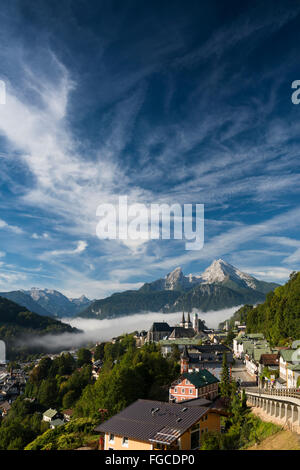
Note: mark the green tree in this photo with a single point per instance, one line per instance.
(41, 371)
(244, 400)
(84, 357)
(69, 399)
(225, 388)
(48, 393)
(99, 352)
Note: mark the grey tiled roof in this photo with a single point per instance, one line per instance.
(148, 420)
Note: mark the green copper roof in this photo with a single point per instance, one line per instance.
(295, 367)
(178, 341)
(289, 355)
(201, 378)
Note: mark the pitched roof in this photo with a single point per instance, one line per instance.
(295, 367)
(210, 348)
(180, 332)
(255, 335)
(289, 355)
(161, 326)
(50, 413)
(153, 421)
(256, 353)
(269, 359)
(201, 378)
(185, 354)
(57, 422)
(197, 402)
(179, 341)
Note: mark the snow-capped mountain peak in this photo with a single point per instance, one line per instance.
(173, 278)
(217, 271)
(220, 270)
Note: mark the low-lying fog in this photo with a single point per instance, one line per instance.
(103, 330)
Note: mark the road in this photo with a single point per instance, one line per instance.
(239, 372)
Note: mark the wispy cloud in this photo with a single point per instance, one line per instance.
(81, 246)
(13, 228)
(160, 115)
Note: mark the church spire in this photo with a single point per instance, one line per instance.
(184, 360)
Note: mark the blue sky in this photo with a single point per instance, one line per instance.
(182, 101)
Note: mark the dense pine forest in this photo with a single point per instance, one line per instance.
(278, 317)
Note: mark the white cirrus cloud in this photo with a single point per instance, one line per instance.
(12, 228)
(81, 246)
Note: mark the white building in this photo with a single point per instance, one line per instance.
(289, 366)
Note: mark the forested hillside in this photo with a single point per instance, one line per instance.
(17, 323)
(279, 316)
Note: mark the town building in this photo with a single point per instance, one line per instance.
(181, 332)
(289, 366)
(67, 414)
(269, 361)
(186, 323)
(191, 385)
(159, 331)
(243, 342)
(168, 345)
(55, 423)
(186, 329)
(140, 338)
(155, 425)
(4, 408)
(206, 356)
(50, 415)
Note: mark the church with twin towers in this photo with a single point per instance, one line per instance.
(187, 323)
(186, 329)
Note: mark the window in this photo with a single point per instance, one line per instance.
(191, 391)
(112, 438)
(175, 390)
(187, 382)
(183, 390)
(125, 441)
(195, 439)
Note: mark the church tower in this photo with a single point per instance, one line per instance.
(182, 324)
(188, 323)
(196, 323)
(184, 361)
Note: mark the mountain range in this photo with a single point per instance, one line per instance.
(48, 302)
(220, 286)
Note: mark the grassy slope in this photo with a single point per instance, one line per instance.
(282, 440)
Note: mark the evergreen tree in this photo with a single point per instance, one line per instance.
(225, 388)
(84, 357)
